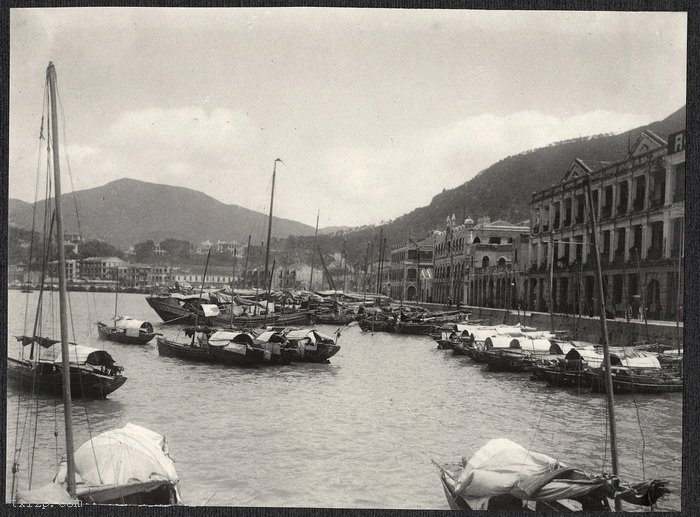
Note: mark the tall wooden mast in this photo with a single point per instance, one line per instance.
(606, 346)
(311, 280)
(269, 221)
(62, 297)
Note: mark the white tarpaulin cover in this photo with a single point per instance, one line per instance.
(130, 326)
(498, 342)
(122, 456)
(531, 345)
(481, 333)
(78, 353)
(496, 468)
(210, 309)
(637, 361)
(224, 337)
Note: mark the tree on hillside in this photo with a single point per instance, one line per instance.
(176, 248)
(143, 251)
(97, 248)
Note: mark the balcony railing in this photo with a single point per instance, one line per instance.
(606, 212)
(637, 205)
(619, 256)
(622, 208)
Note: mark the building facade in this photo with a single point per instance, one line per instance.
(410, 270)
(100, 268)
(476, 264)
(639, 207)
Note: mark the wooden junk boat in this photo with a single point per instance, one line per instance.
(214, 346)
(312, 346)
(126, 330)
(185, 309)
(503, 475)
(93, 373)
(632, 372)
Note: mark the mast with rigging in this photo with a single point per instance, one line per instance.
(606, 346)
(62, 295)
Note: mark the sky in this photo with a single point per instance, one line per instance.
(373, 111)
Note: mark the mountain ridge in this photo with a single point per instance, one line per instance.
(118, 209)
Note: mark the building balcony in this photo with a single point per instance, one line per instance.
(622, 209)
(606, 212)
(545, 227)
(655, 253)
(656, 203)
(638, 205)
(619, 256)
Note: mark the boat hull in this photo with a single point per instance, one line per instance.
(170, 310)
(629, 384)
(106, 332)
(48, 378)
(210, 354)
(322, 353)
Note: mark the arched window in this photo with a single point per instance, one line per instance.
(502, 262)
(485, 261)
(476, 240)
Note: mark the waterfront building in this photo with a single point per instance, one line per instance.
(639, 204)
(217, 276)
(410, 270)
(100, 268)
(478, 264)
(73, 270)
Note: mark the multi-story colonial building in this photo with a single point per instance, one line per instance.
(100, 268)
(410, 271)
(477, 264)
(639, 205)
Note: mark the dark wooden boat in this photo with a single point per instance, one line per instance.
(219, 346)
(634, 380)
(332, 318)
(312, 346)
(93, 373)
(278, 349)
(185, 309)
(504, 353)
(377, 325)
(414, 328)
(538, 483)
(127, 330)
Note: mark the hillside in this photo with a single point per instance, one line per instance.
(128, 211)
(503, 190)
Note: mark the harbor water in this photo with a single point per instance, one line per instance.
(359, 432)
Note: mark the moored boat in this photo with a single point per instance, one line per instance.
(93, 373)
(126, 330)
(214, 346)
(312, 346)
(503, 475)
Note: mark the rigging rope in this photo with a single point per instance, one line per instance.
(17, 437)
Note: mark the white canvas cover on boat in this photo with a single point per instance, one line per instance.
(593, 359)
(496, 469)
(224, 337)
(480, 334)
(78, 353)
(122, 456)
(130, 326)
(210, 309)
(638, 361)
(498, 342)
(531, 345)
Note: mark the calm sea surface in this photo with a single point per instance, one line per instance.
(357, 433)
